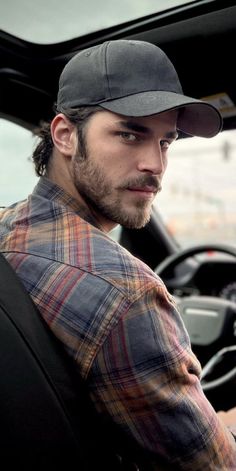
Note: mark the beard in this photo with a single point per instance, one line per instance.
(103, 198)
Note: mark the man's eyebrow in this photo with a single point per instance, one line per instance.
(134, 126)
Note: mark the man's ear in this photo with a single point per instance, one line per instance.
(64, 135)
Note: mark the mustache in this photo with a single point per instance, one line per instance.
(145, 180)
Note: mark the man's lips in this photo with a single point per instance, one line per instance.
(147, 186)
(147, 192)
(144, 189)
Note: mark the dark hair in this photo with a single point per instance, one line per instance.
(43, 151)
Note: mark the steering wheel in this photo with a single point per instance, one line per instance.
(200, 306)
(174, 260)
(210, 365)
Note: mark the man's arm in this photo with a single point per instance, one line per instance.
(147, 380)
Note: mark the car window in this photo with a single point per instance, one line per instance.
(197, 201)
(17, 176)
(53, 22)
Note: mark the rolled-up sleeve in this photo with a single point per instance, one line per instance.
(147, 380)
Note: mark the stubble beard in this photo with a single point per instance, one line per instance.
(95, 188)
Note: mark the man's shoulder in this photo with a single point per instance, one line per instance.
(118, 266)
(61, 235)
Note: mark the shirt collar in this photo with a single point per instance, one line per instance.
(45, 188)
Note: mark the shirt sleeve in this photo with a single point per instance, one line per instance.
(146, 379)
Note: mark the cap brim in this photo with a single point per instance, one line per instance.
(197, 118)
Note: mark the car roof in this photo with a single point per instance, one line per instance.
(197, 36)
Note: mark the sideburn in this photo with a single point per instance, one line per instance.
(82, 131)
(82, 144)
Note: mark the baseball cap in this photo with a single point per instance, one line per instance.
(133, 78)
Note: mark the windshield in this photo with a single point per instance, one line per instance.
(197, 202)
(53, 21)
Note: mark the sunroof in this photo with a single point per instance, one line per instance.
(53, 21)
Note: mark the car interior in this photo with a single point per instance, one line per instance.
(190, 241)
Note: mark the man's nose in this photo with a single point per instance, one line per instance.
(152, 160)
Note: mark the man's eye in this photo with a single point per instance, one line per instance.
(128, 136)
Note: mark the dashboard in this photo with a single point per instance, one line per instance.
(217, 278)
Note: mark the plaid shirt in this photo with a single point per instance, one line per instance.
(117, 320)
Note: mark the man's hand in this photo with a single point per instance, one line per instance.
(228, 417)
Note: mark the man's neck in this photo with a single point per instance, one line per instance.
(104, 224)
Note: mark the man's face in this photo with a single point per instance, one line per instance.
(124, 165)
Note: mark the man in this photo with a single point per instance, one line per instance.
(101, 161)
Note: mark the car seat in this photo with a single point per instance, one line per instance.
(47, 421)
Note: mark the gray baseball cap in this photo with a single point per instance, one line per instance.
(133, 78)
